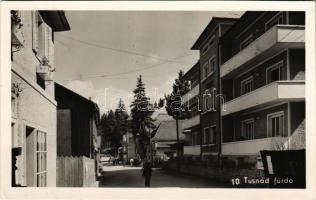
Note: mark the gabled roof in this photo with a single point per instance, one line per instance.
(209, 28)
(167, 131)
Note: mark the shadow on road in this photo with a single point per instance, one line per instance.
(121, 177)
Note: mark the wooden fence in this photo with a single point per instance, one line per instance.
(75, 172)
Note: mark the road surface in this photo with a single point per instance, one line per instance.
(119, 176)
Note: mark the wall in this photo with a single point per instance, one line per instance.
(232, 167)
(82, 128)
(260, 123)
(259, 73)
(75, 172)
(64, 132)
(37, 108)
(257, 29)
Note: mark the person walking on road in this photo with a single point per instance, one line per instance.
(147, 173)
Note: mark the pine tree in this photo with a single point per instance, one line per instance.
(141, 112)
(113, 125)
(174, 105)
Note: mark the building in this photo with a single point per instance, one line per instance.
(191, 127)
(129, 147)
(207, 45)
(262, 76)
(165, 140)
(32, 98)
(77, 120)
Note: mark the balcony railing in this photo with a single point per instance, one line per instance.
(189, 95)
(278, 37)
(274, 92)
(252, 147)
(192, 150)
(188, 123)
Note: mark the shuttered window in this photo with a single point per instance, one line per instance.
(42, 39)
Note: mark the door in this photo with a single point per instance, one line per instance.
(30, 156)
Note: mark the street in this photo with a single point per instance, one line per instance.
(119, 176)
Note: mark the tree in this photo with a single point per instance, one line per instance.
(113, 125)
(174, 105)
(141, 122)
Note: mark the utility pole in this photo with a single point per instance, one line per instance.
(178, 148)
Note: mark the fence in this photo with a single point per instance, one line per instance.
(75, 172)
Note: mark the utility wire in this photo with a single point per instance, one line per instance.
(111, 76)
(121, 50)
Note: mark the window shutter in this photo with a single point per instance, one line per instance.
(50, 46)
(41, 41)
(46, 45)
(35, 31)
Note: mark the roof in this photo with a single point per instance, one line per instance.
(167, 131)
(73, 93)
(209, 28)
(56, 20)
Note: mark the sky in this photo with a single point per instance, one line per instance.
(105, 51)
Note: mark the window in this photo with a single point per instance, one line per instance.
(209, 68)
(14, 134)
(277, 19)
(14, 105)
(209, 136)
(212, 65)
(206, 135)
(247, 127)
(213, 135)
(246, 42)
(206, 70)
(276, 124)
(42, 39)
(275, 72)
(41, 159)
(208, 45)
(195, 138)
(208, 100)
(246, 85)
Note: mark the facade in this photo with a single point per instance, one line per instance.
(263, 79)
(129, 147)
(207, 44)
(32, 98)
(251, 86)
(191, 127)
(77, 120)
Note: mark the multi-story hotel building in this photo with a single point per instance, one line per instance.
(33, 104)
(262, 76)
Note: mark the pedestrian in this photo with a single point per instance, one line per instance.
(147, 173)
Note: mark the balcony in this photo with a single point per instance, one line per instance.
(272, 93)
(192, 150)
(272, 41)
(186, 124)
(252, 147)
(45, 72)
(189, 95)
